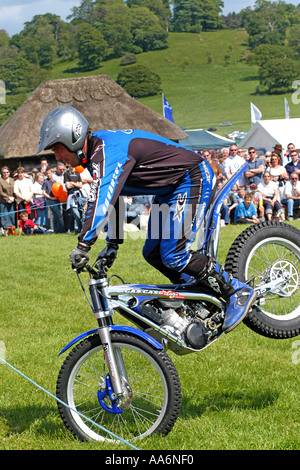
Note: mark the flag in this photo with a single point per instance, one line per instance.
(168, 111)
(255, 114)
(287, 109)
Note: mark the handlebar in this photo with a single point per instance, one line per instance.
(97, 271)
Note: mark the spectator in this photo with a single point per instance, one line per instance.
(215, 155)
(278, 173)
(278, 150)
(259, 205)
(224, 211)
(43, 165)
(56, 219)
(233, 163)
(136, 208)
(39, 201)
(292, 196)
(28, 227)
(214, 164)
(270, 196)
(87, 180)
(224, 154)
(58, 177)
(7, 200)
(294, 165)
(232, 201)
(245, 212)
(254, 175)
(43, 168)
(287, 156)
(241, 152)
(221, 160)
(241, 193)
(23, 190)
(144, 217)
(268, 161)
(76, 202)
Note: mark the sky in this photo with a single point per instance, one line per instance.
(14, 13)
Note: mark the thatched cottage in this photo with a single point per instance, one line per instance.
(100, 99)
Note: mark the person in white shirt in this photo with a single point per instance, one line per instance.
(233, 163)
(270, 195)
(292, 195)
(23, 190)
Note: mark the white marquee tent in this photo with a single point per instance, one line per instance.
(266, 134)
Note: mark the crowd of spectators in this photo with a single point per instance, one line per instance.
(269, 189)
(28, 203)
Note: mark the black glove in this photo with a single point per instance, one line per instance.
(109, 253)
(80, 256)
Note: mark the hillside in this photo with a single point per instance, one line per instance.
(202, 94)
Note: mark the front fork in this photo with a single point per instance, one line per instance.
(103, 313)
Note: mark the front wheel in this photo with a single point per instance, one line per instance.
(266, 252)
(154, 393)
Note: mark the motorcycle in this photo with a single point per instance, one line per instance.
(121, 377)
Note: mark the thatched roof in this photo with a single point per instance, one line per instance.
(102, 101)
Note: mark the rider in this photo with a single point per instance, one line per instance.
(132, 162)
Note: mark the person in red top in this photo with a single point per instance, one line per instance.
(26, 225)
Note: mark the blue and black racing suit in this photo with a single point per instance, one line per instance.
(134, 162)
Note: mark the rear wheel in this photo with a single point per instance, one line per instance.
(266, 252)
(154, 393)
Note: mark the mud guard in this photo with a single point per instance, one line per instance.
(126, 329)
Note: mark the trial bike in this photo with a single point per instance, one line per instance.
(121, 376)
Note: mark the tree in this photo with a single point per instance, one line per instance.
(132, 26)
(4, 38)
(264, 52)
(40, 40)
(116, 29)
(267, 23)
(277, 75)
(84, 12)
(91, 46)
(146, 29)
(186, 16)
(210, 15)
(232, 20)
(19, 75)
(160, 8)
(293, 37)
(196, 15)
(153, 39)
(139, 81)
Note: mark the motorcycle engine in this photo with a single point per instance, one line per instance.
(193, 332)
(190, 321)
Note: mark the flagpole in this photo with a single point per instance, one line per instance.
(287, 109)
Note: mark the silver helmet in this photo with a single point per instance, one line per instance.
(63, 125)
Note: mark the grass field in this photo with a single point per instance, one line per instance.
(202, 94)
(241, 393)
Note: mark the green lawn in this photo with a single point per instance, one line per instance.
(241, 393)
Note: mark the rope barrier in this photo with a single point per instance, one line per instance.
(2, 214)
(72, 409)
